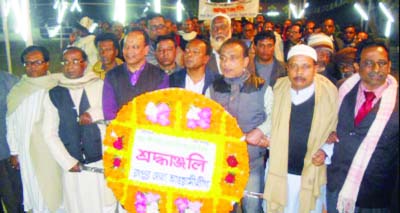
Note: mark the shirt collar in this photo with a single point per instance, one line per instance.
(135, 71)
(378, 91)
(299, 97)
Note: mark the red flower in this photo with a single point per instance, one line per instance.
(231, 160)
(117, 162)
(118, 143)
(230, 178)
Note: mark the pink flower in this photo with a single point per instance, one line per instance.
(205, 113)
(191, 124)
(150, 197)
(203, 123)
(198, 117)
(163, 107)
(163, 119)
(182, 203)
(140, 207)
(140, 198)
(118, 143)
(117, 162)
(158, 113)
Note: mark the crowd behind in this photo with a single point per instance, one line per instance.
(318, 107)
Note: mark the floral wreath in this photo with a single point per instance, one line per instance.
(184, 114)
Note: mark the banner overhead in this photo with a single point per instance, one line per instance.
(234, 9)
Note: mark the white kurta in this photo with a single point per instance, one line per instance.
(84, 192)
(19, 129)
(294, 181)
(293, 192)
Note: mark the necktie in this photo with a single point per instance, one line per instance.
(365, 107)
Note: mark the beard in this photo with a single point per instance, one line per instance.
(217, 43)
(321, 66)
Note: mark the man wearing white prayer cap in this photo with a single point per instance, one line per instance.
(303, 115)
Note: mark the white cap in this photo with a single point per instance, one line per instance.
(86, 22)
(302, 49)
(320, 40)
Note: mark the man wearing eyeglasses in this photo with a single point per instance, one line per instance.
(156, 27)
(294, 38)
(365, 163)
(39, 171)
(74, 139)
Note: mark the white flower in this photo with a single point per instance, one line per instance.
(193, 113)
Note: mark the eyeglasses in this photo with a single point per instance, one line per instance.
(371, 64)
(33, 63)
(74, 62)
(157, 27)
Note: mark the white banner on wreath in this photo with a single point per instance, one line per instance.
(234, 9)
(172, 161)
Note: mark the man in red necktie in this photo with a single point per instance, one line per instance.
(365, 162)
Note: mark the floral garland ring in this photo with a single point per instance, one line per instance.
(173, 151)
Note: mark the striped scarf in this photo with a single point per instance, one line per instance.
(348, 195)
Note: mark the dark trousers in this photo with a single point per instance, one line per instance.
(332, 199)
(10, 187)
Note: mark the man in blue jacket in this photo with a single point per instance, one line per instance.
(195, 77)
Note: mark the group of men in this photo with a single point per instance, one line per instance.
(341, 158)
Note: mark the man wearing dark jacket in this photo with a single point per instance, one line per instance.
(132, 78)
(365, 163)
(195, 77)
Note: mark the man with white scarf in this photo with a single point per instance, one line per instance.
(365, 162)
(304, 114)
(71, 110)
(39, 172)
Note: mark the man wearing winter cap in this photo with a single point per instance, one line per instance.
(303, 116)
(324, 47)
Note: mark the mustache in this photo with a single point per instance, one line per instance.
(299, 78)
(374, 74)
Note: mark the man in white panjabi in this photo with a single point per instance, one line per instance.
(303, 116)
(40, 173)
(71, 108)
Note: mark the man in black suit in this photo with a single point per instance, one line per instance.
(365, 163)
